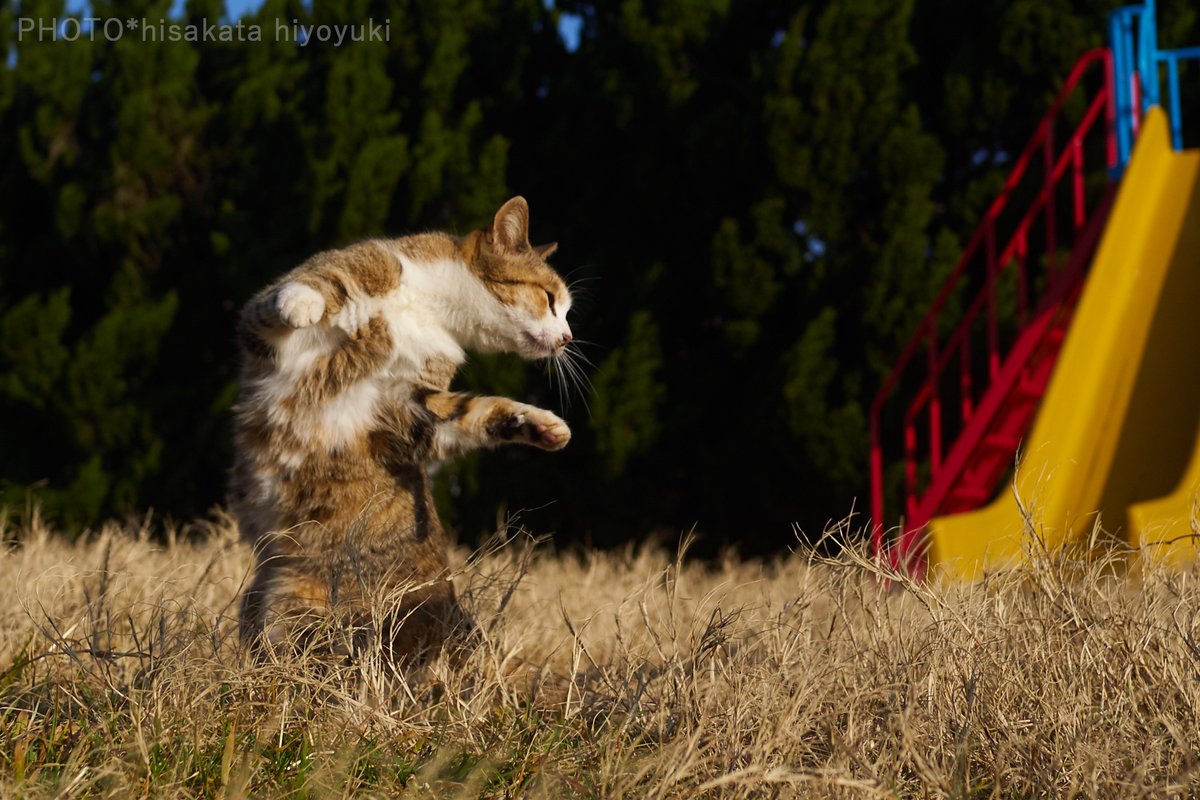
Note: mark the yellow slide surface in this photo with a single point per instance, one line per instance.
(1119, 423)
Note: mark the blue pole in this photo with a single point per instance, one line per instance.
(1175, 110)
(1147, 65)
(1120, 34)
(1137, 53)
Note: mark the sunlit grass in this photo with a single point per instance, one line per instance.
(626, 674)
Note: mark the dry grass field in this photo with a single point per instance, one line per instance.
(628, 674)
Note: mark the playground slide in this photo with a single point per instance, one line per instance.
(1163, 527)
(1121, 415)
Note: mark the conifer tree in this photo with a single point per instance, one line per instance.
(756, 200)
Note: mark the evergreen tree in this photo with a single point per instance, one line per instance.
(756, 201)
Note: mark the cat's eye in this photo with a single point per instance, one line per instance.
(550, 300)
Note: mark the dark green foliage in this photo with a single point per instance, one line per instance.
(628, 396)
(759, 197)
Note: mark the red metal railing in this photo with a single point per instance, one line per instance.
(993, 256)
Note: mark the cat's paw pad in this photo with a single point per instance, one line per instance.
(545, 430)
(532, 426)
(299, 305)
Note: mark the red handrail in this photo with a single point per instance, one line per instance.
(941, 353)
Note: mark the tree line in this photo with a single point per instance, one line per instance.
(754, 199)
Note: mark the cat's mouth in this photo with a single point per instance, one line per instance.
(537, 347)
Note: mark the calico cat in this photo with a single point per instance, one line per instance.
(346, 365)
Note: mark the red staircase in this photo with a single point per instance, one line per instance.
(999, 301)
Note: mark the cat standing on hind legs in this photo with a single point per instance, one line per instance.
(346, 367)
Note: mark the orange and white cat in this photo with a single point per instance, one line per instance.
(346, 366)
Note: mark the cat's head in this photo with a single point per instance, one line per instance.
(533, 297)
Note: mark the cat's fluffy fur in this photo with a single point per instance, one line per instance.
(346, 364)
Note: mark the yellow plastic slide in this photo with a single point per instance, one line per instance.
(1120, 420)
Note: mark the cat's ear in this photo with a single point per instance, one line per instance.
(510, 228)
(544, 250)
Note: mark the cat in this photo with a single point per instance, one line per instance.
(344, 400)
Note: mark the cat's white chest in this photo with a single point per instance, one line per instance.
(351, 414)
(418, 329)
(419, 335)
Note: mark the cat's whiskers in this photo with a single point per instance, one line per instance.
(558, 377)
(577, 351)
(578, 291)
(564, 396)
(564, 365)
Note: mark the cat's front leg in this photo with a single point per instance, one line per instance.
(464, 422)
(530, 425)
(299, 305)
(355, 314)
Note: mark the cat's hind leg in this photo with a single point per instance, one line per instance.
(284, 609)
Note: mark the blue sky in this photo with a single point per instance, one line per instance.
(237, 7)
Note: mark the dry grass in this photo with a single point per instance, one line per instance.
(120, 676)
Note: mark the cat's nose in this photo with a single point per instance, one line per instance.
(566, 339)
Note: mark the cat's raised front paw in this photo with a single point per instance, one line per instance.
(299, 305)
(537, 427)
(353, 317)
(548, 432)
